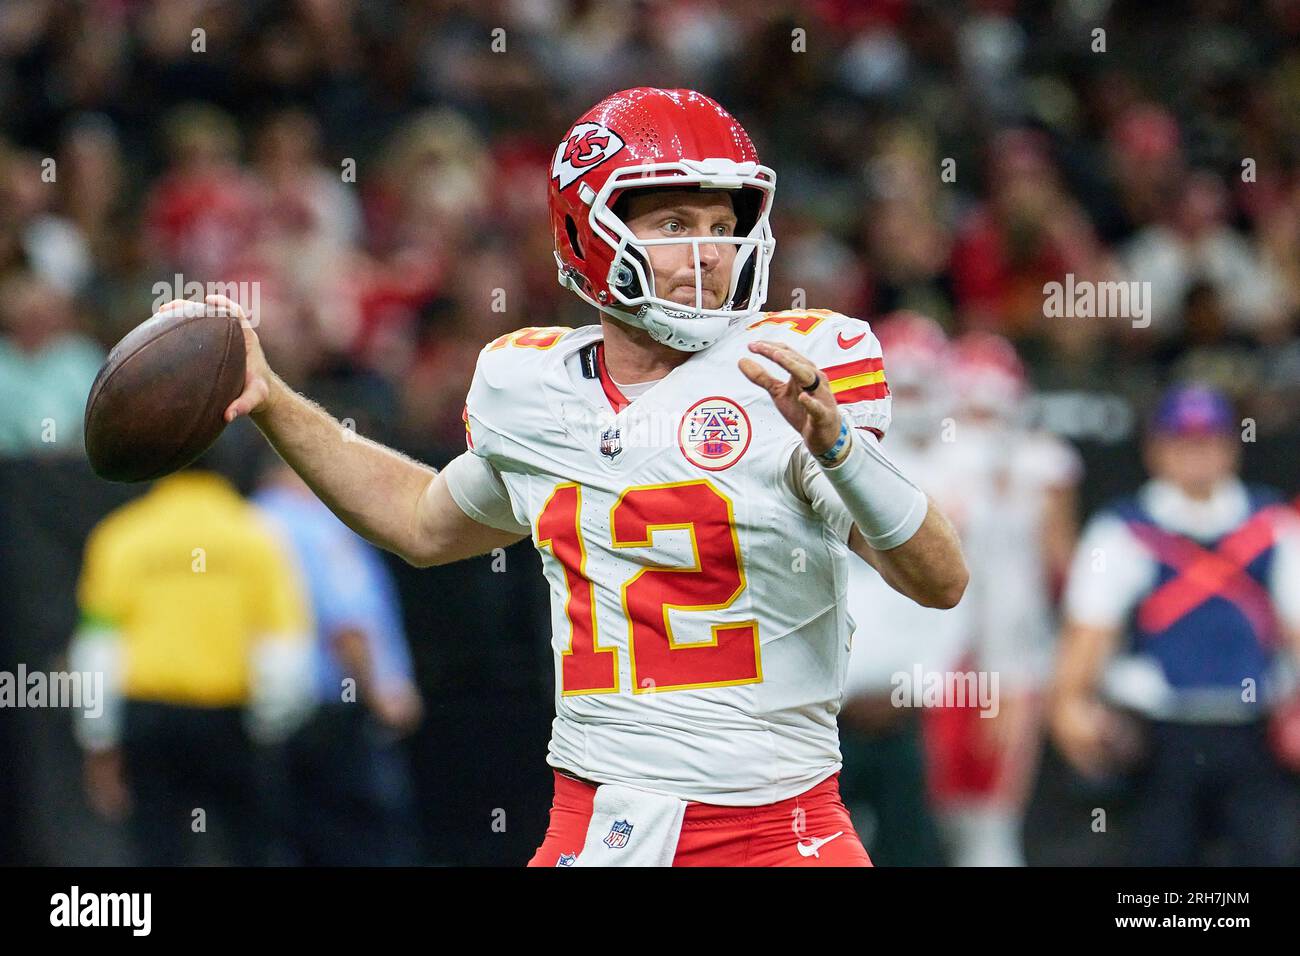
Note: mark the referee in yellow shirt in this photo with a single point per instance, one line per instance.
(198, 620)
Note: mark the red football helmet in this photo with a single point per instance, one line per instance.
(648, 137)
(987, 373)
(916, 348)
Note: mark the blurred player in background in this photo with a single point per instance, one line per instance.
(1181, 639)
(885, 778)
(1021, 483)
(693, 511)
(349, 793)
(197, 619)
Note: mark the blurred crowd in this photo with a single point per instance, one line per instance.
(379, 168)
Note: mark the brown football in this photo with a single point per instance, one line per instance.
(160, 399)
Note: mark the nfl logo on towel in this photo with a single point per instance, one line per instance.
(618, 834)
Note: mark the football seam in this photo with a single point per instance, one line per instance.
(100, 384)
(216, 379)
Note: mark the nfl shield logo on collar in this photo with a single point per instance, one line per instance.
(618, 835)
(611, 445)
(567, 859)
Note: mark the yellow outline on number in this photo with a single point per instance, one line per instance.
(582, 573)
(695, 551)
(512, 338)
(792, 317)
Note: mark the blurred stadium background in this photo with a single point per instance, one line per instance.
(1170, 157)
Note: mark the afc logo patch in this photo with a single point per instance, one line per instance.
(618, 835)
(714, 433)
(586, 147)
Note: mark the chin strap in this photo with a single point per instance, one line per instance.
(684, 332)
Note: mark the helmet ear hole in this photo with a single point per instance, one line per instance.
(632, 288)
(623, 276)
(571, 228)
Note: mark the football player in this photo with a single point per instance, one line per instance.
(694, 472)
(1025, 481)
(898, 645)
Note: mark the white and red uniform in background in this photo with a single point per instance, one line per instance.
(893, 634)
(979, 785)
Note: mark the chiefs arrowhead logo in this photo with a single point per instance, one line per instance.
(587, 146)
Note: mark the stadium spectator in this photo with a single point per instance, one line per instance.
(1197, 244)
(46, 369)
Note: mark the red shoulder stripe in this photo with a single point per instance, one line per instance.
(859, 367)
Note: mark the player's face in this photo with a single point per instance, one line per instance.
(1196, 463)
(684, 214)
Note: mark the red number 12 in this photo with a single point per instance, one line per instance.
(658, 661)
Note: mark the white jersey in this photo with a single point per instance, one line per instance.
(1012, 470)
(699, 628)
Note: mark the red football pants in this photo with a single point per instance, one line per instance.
(812, 829)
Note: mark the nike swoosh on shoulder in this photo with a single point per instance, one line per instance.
(849, 343)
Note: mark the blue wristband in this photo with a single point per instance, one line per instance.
(836, 453)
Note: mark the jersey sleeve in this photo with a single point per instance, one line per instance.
(1108, 574)
(503, 392)
(804, 477)
(848, 354)
(102, 588)
(502, 418)
(481, 493)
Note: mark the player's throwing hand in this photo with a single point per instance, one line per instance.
(805, 399)
(257, 375)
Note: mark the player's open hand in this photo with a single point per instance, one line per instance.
(257, 372)
(813, 414)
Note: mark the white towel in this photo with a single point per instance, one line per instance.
(631, 827)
